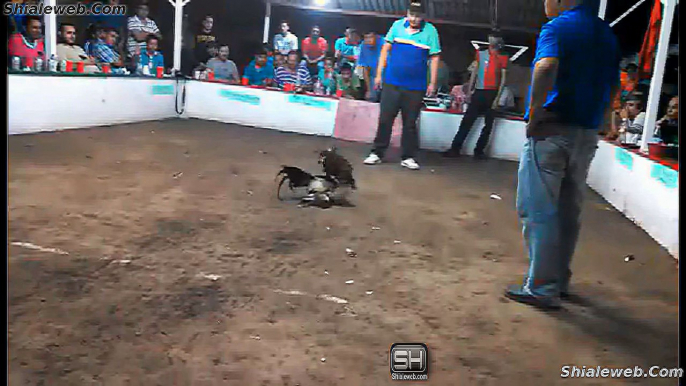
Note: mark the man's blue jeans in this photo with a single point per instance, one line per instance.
(552, 181)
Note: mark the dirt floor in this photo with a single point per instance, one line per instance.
(149, 212)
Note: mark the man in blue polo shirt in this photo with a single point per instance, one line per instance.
(369, 60)
(575, 76)
(411, 42)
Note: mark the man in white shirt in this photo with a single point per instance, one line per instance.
(631, 129)
(139, 27)
(67, 49)
(285, 41)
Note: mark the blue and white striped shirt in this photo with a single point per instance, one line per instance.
(285, 76)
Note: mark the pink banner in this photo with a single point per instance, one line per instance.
(358, 120)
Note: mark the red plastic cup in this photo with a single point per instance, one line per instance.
(244, 81)
(160, 71)
(210, 75)
(339, 93)
(70, 66)
(106, 69)
(288, 87)
(80, 67)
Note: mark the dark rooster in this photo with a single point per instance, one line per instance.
(337, 167)
(297, 178)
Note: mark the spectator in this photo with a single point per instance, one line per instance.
(28, 45)
(630, 128)
(346, 83)
(224, 69)
(347, 48)
(314, 50)
(628, 83)
(67, 49)
(575, 76)
(412, 41)
(293, 73)
(18, 20)
(327, 75)
(150, 57)
(285, 41)
(489, 76)
(279, 60)
(203, 38)
(369, 60)
(139, 27)
(105, 51)
(95, 32)
(668, 127)
(259, 72)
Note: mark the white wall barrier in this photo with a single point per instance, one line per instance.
(261, 108)
(49, 103)
(643, 190)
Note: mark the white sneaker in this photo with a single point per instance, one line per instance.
(372, 159)
(410, 164)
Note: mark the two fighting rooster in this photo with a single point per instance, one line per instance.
(324, 190)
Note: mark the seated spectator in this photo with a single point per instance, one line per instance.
(28, 45)
(348, 85)
(224, 69)
(633, 119)
(279, 60)
(667, 128)
(67, 49)
(259, 72)
(293, 73)
(150, 57)
(105, 51)
(369, 60)
(327, 75)
(94, 32)
(314, 50)
(348, 47)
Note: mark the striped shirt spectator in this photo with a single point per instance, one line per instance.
(299, 76)
(139, 27)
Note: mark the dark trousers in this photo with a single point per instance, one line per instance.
(409, 104)
(481, 104)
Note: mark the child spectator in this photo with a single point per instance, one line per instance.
(224, 69)
(150, 57)
(327, 75)
(347, 85)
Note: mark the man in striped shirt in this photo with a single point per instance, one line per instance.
(293, 72)
(139, 27)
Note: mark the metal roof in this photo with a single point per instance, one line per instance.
(514, 15)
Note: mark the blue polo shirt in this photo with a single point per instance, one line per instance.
(589, 57)
(257, 76)
(369, 56)
(406, 66)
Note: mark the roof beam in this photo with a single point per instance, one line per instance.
(284, 3)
